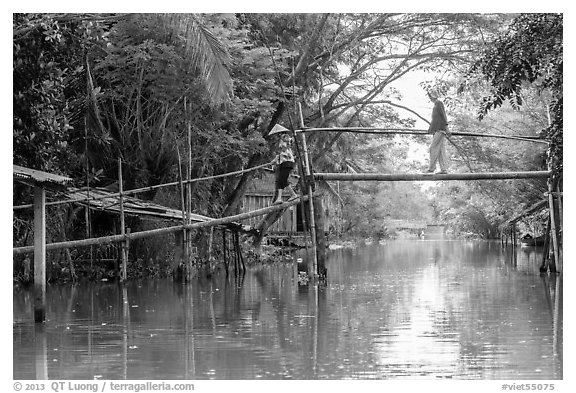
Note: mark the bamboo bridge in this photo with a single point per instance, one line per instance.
(122, 204)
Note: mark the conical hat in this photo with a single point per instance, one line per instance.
(278, 129)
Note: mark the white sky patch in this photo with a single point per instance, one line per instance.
(414, 96)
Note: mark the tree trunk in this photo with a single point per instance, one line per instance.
(266, 223)
(237, 195)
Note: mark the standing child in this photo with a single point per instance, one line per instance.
(284, 164)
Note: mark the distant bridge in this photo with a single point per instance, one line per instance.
(412, 224)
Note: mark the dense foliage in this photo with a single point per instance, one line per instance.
(530, 52)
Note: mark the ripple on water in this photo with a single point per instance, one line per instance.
(431, 310)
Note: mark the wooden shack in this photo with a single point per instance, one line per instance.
(260, 194)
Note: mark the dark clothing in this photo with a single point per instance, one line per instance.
(282, 173)
(439, 120)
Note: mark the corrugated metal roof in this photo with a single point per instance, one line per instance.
(132, 206)
(110, 202)
(35, 177)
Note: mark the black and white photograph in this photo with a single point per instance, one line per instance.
(264, 197)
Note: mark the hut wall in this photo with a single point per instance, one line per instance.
(286, 223)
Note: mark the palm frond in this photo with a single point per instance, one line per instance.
(208, 54)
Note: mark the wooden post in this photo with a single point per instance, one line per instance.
(310, 195)
(553, 227)
(122, 221)
(39, 254)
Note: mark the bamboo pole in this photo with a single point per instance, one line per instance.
(235, 253)
(537, 206)
(544, 266)
(321, 238)
(310, 193)
(122, 221)
(225, 251)
(39, 254)
(188, 238)
(553, 227)
(560, 221)
(184, 215)
(239, 251)
(162, 231)
(191, 335)
(87, 209)
(430, 176)
(126, 253)
(413, 131)
(125, 331)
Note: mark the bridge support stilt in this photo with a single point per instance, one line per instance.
(320, 237)
(39, 254)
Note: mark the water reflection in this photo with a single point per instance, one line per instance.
(403, 309)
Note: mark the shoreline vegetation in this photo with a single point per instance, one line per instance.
(108, 270)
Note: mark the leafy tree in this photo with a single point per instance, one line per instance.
(529, 52)
(47, 56)
(345, 64)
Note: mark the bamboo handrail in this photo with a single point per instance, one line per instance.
(431, 176)
(145, 189)
(161, 231)
(414, 131)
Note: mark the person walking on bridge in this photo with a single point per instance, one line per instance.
(284, 163)
(439, 128)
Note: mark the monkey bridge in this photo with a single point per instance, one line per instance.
(122, 204)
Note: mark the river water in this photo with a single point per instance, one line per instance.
(402, 309)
